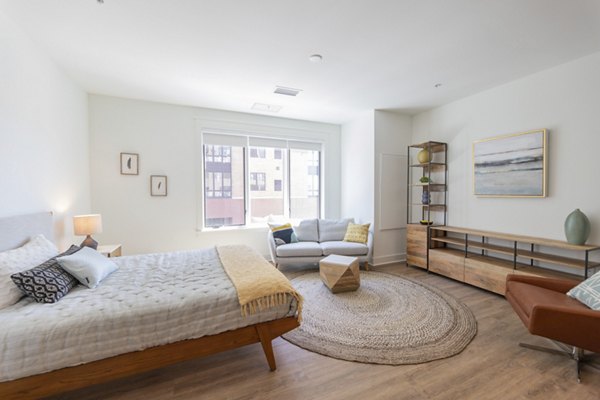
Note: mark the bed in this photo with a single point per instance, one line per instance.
(97, 335)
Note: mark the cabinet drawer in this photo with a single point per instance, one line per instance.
(487, 273)
(447, 262)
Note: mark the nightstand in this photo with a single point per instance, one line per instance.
(110, 250)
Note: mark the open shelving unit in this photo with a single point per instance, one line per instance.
(484, 258)
(436, 172)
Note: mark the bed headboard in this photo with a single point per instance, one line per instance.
(15, 231)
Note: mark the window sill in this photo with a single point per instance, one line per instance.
(257, 226)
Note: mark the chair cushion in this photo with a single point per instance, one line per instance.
(588, 292)
(344, 248)
(299, 249)
(307, 231)
(528, 296)
(333, 229)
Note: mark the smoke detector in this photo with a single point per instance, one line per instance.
(272, 108)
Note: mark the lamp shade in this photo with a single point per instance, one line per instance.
(87, 224)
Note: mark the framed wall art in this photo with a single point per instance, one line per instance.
(511, 165)
(158, 185)
(130, 164)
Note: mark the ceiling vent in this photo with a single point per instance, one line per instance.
(266, 107)
(287, 91)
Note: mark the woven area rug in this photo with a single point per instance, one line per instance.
(388, 320)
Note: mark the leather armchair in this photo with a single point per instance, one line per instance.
(546, 310)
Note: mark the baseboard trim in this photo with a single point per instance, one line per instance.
(389, 259)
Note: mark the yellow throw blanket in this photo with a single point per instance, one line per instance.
(259, 284)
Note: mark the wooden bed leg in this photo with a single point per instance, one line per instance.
(366, 266)
(265, 341)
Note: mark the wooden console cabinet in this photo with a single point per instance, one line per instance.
(483, 258)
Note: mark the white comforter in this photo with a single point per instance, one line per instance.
(151, 300)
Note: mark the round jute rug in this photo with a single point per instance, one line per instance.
(388, 320)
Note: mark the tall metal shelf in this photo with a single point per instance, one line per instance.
(436, 172)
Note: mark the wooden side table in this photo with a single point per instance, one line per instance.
(340, 273)
(110, 250)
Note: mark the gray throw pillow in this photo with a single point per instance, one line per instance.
(307, 231)
(88, 266)
(333, 229)
(48, 282)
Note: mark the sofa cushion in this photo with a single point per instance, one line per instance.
(344, 248)
(307, 231)
(300, 249)
(333, 229)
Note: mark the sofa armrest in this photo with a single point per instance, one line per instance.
(555, 284)
(272, 246)
(578, 327)
(370, 246)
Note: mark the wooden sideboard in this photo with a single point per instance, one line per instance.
(484, 258)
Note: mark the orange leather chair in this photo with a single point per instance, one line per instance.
(546, 310)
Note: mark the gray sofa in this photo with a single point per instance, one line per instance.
(318, 238)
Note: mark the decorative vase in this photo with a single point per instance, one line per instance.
(425, 197)
(577, 227)
(423, 156)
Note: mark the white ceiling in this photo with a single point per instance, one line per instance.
(378, 54)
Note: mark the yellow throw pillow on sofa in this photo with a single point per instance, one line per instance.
(357, 233)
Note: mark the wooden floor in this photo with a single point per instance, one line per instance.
(493, 366)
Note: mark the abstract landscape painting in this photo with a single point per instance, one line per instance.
(511, 165)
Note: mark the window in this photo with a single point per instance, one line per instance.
(223, 185)
(278, 178)
(257, 181)
(305, 187)
(257, 153)
(218, 184)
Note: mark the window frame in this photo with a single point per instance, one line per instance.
(290, 144)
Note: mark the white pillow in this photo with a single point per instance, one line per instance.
(88, 266)
(31, 254)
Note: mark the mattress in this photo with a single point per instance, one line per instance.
(151, 300)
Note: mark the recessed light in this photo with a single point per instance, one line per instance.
(272, 108)
(316, 58)
(437, 85)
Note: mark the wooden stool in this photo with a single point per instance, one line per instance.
(340, 273)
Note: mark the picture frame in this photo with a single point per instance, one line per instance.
(130, 164)
(158, 185)
(513, 165)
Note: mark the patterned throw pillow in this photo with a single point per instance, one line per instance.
(283, 234)
(32, 253)
(48, 282)
(588, 292)
(357, 233)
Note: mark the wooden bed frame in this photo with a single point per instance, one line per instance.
(95, 372)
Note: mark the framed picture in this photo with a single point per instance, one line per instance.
(511, 165)
(130, 164)
(158, 185)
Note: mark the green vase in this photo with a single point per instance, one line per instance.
(577, 227)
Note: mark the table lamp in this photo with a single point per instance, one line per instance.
(87, 225)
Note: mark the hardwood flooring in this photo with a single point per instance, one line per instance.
(493, 366)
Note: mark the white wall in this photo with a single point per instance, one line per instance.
(358, 168)
(392, 137)
(44, 156)
(565, 100)
(165, 136)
